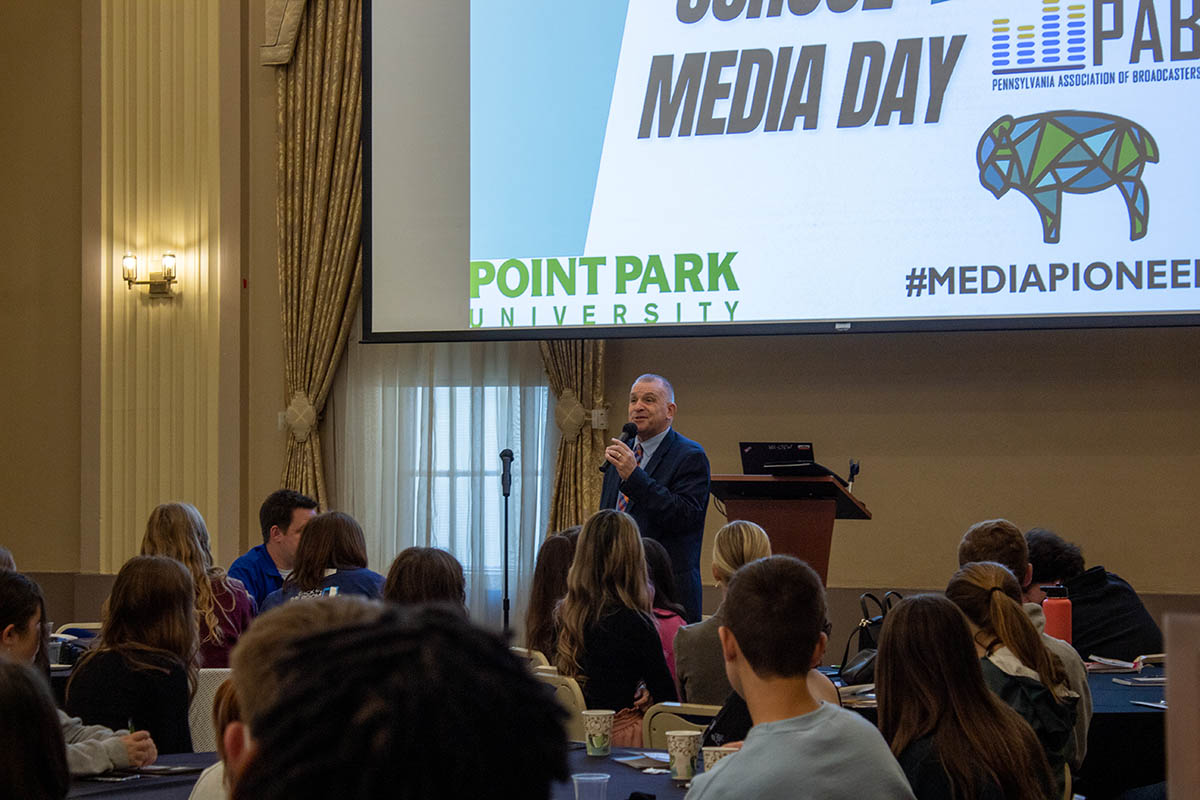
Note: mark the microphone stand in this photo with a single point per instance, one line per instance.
(506, 459)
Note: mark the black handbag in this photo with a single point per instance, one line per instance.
(861, 667)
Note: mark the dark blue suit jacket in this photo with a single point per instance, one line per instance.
(668, 498)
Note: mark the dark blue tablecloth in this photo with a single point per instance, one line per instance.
(622, 780)
(1126, 743)
(149, 787)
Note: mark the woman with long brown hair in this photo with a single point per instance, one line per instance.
(547, 589)
(142, 671)
(331, 559)
(1015, 663)
(606, 635)
(223, 606)
(953, 737)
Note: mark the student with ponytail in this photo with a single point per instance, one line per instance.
(954, 739)
(1016, 664)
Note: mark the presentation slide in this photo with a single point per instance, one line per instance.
(646, 167)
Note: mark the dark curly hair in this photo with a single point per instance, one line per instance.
(1053, 558)
(419, 704)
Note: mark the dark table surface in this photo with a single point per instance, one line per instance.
(622, 780)
(149, 787)
(1126, 743)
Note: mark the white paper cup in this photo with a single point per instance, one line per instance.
(714, 754)
(597, 731)
(683, 747)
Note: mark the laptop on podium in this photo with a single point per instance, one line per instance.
(783, 459)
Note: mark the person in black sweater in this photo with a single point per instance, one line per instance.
(141, 673)
(1107, 616)
(607, 639)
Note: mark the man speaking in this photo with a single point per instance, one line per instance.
(661, 480)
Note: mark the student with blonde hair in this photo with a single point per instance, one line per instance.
(606, 634)
(698, 662)
(1016, 664)
(223, 606)
(141, 673)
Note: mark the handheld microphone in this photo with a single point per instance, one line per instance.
(854, 468)
(628, 434)
(506, 459)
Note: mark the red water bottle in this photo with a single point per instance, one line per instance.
(1057, 608)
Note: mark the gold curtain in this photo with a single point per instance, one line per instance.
(576, 372)
(319, 216)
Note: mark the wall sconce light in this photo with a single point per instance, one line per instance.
(159, 282)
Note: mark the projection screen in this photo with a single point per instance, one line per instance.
(545, 168)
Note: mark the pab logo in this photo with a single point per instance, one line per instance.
(1044, 155)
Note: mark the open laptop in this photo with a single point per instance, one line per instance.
(782, 459)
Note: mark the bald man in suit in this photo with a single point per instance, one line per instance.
(662, 482)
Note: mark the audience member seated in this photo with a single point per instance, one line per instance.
(223, 606)
(953, 737)
(418, 704)
(263, 568)
(547, 589)
(426, 575)
(91, 749)
(606, 636)
(33, 761)
(668, 612)
(1001, 541)
(331, 559)
(1016, 664)
(1107, 616)
(257, 660)
(141, 672)
(732, 723)
(7, 564)
(211, 784)
(799, 746)
(698, 662)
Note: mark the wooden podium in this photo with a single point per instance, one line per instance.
(797, 513)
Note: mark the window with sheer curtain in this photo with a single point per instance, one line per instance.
(417, 431)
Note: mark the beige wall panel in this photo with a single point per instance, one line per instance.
(167, 114)
(1095, 434)
(40, 283)
(265, 392)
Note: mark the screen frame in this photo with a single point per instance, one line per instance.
(1016, 322)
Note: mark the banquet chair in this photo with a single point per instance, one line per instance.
(81, 630)
(204, 738)
(536, 658)
(663, 717)
(570, 697)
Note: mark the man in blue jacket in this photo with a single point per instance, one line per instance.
(662, 481)
(263, 568)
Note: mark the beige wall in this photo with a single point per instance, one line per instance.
(265, 392)
(40, 283)
(1095, 434)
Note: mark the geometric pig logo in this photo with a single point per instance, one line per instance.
(1080, 152)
